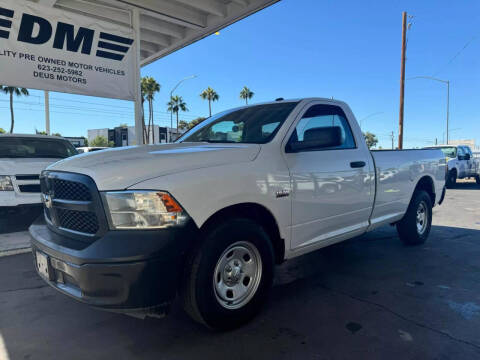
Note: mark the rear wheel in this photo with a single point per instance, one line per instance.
(415, 226)
(228, 277)
(451, 179)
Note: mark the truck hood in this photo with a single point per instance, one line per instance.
(24, 166)
(119, 168)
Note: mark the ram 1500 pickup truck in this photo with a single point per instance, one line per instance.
(207, 217)
(461, 163)
(22, 159)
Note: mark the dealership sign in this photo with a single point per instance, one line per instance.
(49, 49)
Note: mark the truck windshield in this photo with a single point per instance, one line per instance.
(448, 151)
(24, 147)
(253, 125)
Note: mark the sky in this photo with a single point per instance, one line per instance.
(348, 50)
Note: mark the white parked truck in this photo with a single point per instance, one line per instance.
(22, 159)
(461, 163)
(208, 217)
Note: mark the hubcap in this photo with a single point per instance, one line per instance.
(422, 218)
(237, 275)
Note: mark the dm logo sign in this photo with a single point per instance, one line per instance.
(51, 49)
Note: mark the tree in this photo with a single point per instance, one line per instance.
(149, 87)
(85, 141)
(183, 125)
(246, 94)
(40, 132)
(210, 95)
(57, 134)
(10, 90)
(2, 131)
(123, 125)
(100, 141)
(370, 139)
(175, 105)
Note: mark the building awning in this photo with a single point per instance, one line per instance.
(165, 25)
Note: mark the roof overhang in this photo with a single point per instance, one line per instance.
(165, 25)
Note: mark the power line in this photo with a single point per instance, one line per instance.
(456, 55)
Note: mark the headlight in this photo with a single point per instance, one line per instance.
(5, 183)
(143, 210)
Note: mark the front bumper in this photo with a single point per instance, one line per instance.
(13, 198)
(133, 272)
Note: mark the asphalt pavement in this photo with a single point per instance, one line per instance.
(366, 298)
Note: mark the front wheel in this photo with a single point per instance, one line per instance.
(415, 226)
(451, 179)
(228, 277)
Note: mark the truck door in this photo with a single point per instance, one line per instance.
(470, 162)
(332, 187)
(461, 163)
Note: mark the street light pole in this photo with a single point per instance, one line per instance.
(369, 116)
(448, 93)
(171, 94)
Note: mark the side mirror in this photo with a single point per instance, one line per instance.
(317, 139)
(466, 157)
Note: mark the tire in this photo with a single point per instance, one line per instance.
(451, 179)
(414, 228)
(222, 288)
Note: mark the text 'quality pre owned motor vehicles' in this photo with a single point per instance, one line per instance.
(208, 217)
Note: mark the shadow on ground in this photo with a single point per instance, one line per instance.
(370, 297)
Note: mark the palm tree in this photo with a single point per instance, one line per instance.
(210, 95)
(246, 94)
(18, 92)
(176, 104)
(149, 87)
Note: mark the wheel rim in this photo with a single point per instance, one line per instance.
(422, 218)
(237, 275)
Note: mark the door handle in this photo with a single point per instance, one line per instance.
(357, 164)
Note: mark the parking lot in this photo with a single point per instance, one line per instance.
(370, 297)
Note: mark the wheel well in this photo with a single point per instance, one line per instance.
(426, 184)
(257, 213)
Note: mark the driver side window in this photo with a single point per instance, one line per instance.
(321, 117)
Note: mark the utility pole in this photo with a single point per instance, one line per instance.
(448, 104)
(47, 113)
(393, 139)
(402, 80)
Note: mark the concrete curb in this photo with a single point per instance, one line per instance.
(14, 243)
(15, 252)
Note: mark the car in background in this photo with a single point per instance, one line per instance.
(461, 163)
(85, 149)
(22, 159)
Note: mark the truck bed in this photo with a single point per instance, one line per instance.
(397, 171)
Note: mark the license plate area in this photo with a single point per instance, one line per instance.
(43, 265)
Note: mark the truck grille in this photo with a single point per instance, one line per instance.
(29, 188)
(72, 204)
(81, 221)
(69, 190)
(27, 183)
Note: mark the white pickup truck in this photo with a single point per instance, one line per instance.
(22, 159)
(208, 217)
(461, 163)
